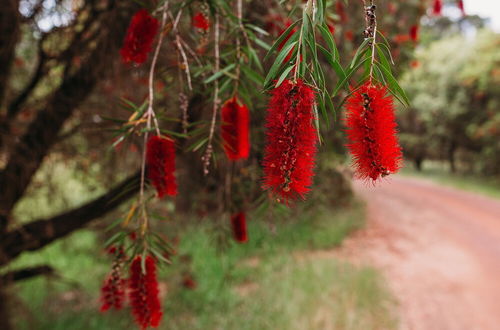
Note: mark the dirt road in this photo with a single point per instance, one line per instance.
(439, 249)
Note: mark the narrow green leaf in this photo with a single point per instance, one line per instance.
(284, 74)
(281, 38)
(278, 62)
(394, 87)
(219, 73)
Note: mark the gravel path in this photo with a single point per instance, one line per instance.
(439, 249)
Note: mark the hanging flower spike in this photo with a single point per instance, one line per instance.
(460, 4)
(160, 165)
(144, 292)
(340, 10)
(200, 21)
(235, 129)
(371, 132)
(239, 227)
(437, 7)
(139, 38)
(113, 292)
(291, 141)
(414, 33)
(113, 289)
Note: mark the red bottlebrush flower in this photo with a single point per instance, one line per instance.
(200, 21)
(239, 227)
(188, 282)
(401, 38)
(234, 129)
(113, 292)
(349, 35)
(139, 38)
(437, 7)
(371, 132)
(160, 165)
(113, 289)
(460, 4)
(144, 293)
(291, 141)
(340, 10)
(414, 33)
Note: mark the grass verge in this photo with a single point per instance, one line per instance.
(439, 173)
(258, 285)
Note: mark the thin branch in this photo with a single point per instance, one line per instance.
(208, 152)
(26, 273)
(371, 30)
(151, 114)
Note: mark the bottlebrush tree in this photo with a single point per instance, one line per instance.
(195, 78)
(225, 56)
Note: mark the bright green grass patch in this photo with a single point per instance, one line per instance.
(439, 173)
(272, 282)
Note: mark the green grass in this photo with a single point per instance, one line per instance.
(272, 282)
(439, 173)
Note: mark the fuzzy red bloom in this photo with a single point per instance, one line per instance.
(139, 38)
(340, 10)
(437, 7)
(460, 4)
(189, 282)
(234, 129)
(371, 132)
(331, 28)
(239, 227)
(160, 165)
(414, 33)
(144, 293)
(200, 21)
(291, 141)
(113, 292)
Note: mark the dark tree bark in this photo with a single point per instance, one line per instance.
(26, 273)
(418, 163)
(97, 54)
(451, 156)
(39, 233)
(9, 35)
(43, 132)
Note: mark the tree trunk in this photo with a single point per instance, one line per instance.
(4, 311)
(418, 163)
(451, 156)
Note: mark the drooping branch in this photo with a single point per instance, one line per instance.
(43, 132)
(39, 233)
(26, 273)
